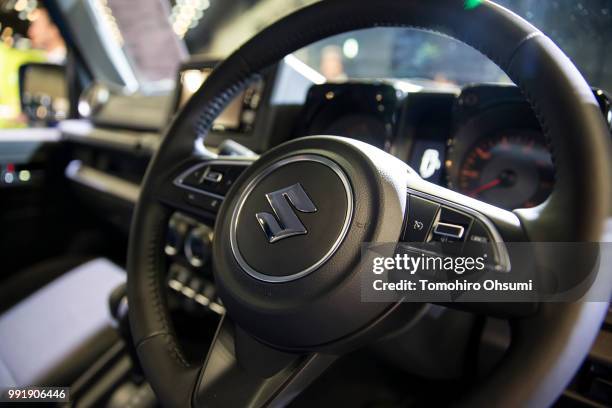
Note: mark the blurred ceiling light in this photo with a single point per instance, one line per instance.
(186, 14)
(21, 5)
(350, 48)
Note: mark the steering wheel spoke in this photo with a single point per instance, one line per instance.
(199, 187)
(462, 226)
(241, 371)
(449, 216)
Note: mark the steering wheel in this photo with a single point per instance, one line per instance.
(292, 293)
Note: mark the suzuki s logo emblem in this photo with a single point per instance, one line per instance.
(286, 223)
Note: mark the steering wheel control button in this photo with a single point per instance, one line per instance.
(421, 214)
(215, 178)
(303, 201)
(449, 230)
(450, 225)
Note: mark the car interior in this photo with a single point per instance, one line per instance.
(150, 142)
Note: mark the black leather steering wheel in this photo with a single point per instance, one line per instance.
(295, 304)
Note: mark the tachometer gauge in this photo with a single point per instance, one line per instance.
(511, 169)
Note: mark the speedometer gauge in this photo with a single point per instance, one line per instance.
(511, 169)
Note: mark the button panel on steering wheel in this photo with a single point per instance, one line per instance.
(207, 183)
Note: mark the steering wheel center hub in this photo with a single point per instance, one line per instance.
(291, 218)
(289, 236)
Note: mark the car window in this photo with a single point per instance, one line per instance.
(583, 29)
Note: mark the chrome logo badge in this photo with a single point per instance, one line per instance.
(285, 223)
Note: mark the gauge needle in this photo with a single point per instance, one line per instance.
(485, 187)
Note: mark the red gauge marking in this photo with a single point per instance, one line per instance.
(484, 187)
(470, 173)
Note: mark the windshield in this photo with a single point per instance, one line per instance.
(422, 57)
(583, 29)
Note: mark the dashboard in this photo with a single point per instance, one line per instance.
(481, 140)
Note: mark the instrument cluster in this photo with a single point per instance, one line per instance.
(362, 111)
(483, 141)
(498, 153)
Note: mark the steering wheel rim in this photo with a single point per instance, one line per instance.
(564, 106)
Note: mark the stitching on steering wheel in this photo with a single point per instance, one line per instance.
(533, 102)
(155, 289)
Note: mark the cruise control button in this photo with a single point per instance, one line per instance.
(221, 177)
(213, 176)
(421, 213)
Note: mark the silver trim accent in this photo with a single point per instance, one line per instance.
(100, 181)
(83, 131)
(460, 230)
(30, 135)
(249, 188)
(504, 258)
